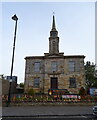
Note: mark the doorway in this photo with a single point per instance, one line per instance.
(54, 83)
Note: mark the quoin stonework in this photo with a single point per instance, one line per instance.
(54, 70)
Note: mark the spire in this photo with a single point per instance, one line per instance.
(53, 24)
(54, 41)
(53, 32)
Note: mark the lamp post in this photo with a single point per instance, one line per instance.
(15, 18)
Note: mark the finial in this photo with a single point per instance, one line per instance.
(15, 17)
(53, 13)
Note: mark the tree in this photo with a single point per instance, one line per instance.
(91, 75)
(82, 91)
(95, 81)
(22, 85)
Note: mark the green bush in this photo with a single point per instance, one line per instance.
(31, 92)
(82, 91)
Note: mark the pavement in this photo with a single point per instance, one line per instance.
(46, 111)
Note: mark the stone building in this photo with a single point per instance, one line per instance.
(4, 80)
(54, 70)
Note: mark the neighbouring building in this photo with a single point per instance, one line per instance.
(5, 84)
(54, 70)
(14, 78)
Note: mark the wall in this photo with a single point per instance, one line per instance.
(62, 73)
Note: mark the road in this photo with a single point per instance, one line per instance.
(48, 113)
(46, 110)
(81, 117)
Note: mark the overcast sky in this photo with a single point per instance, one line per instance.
(75, 23)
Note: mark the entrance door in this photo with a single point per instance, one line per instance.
(54, 83)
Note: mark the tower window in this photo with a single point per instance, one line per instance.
(53, 34)
(54, 46)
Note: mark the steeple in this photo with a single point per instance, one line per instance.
(53, 32)
(53, 24)
(53, 39)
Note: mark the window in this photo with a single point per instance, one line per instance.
(54, 46)
(72, 83)
(36, 82)
(54, 34)
(71, 66)
(30, 83)
(37, 66)
(54, 66)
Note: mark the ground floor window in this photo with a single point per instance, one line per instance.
(72, 82)
(36, 82)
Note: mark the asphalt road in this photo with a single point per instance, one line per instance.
(81, 117)
(47, 110)
(48, 113)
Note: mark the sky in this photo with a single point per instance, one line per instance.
(75, 22)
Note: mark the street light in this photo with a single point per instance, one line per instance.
(15, 18)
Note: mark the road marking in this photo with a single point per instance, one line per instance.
(83, 116)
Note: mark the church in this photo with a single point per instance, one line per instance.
(54, 70)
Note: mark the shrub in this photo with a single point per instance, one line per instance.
(31, 92)
(82, 91)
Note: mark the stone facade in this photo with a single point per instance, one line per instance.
(5, 86)
(54, 70)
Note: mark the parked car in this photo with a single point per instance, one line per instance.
(95, 110)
